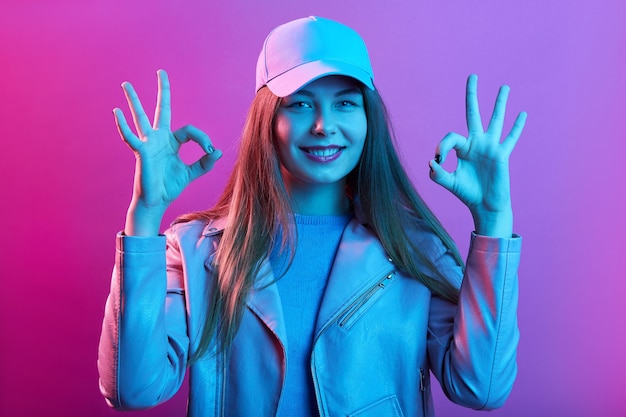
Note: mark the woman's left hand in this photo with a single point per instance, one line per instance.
(481, 179)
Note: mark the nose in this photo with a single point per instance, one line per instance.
(325, 123)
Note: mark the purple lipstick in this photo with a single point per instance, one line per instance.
(322, 154)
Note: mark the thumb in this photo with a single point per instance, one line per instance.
(204, 164)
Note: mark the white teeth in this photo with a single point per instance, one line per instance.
(323, 152)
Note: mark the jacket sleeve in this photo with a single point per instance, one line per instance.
(472, 346)
(144, 345)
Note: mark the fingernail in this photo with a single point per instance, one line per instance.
(438, 158)
(210, 149)
(431, 168)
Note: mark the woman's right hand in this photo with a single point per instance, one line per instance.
(160, 173)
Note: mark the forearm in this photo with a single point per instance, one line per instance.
(479, 366)
(141, 357)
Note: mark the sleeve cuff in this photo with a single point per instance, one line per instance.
(139, 244)
(496, 244)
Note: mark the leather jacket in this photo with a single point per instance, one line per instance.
(379, 333)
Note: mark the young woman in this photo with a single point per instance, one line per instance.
(320, 283)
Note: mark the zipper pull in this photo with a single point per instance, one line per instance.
(422, 382)
(383, 283)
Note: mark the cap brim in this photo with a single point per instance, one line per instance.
(291, 81)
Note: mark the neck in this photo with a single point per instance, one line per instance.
(318, 199)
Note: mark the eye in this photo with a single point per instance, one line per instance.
(297, 104)
(347, 104)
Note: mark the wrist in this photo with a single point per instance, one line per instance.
(494, 224)
(142, 220)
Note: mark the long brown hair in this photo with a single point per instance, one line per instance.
(256, 205)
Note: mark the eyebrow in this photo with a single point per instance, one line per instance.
(347, 91)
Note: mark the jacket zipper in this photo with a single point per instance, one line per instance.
(351, 310)
(423, 390)
(316, 387)
(356, 305)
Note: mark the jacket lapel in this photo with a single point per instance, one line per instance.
(359, 264)
(264, 301)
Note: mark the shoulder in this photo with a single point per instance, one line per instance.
(417, 234)
(422, 236)
(193, 231)
(437, 259)
(192, 243)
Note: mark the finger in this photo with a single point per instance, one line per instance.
(450, 141)
(142, 124)
(516, 131)
(192, 133)
(474, 123)
(439, 175)
(124, 130)
(163, 113)
(499, 110)
(204, 164)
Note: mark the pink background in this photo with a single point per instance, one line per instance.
(66, 175)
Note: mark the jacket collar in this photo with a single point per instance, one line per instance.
(215, 227)
(359, 264)
(263, 300)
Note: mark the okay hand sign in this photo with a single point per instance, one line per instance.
(481, 179)
(160, 174)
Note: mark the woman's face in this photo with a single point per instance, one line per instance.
(320, 132)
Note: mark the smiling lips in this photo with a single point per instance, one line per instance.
(323, 153)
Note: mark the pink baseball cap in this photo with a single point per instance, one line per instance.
(303, 50)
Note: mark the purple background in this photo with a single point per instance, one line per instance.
(66, 176)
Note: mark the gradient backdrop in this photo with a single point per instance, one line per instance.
(66, 176)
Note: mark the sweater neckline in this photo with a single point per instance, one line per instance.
(330, 220)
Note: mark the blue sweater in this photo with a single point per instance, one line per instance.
(301, 289)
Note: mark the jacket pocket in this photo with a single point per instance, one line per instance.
(388, 406)
(362, 304)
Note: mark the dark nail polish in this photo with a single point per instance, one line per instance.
(438, 158)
